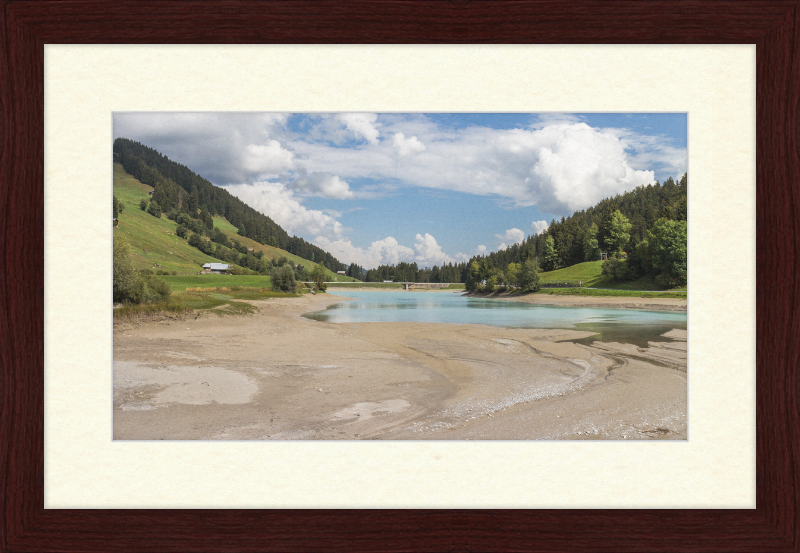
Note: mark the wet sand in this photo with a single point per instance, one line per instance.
(607, 302)
(278, 376)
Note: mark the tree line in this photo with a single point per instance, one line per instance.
(200, 233)
(641, 232)
(178, 188)
(410, 272)
(586, 233)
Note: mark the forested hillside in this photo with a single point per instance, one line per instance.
(571, 236)
(642, 232)
(182, 244)
(180, 189)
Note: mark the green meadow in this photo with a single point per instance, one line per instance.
(590, 274)
(154, 244)
(180, 283)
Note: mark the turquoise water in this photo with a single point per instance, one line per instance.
(611, 325)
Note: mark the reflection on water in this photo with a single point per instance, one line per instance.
(636, 334)
(611, 325)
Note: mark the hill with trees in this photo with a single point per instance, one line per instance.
(177, 189)
(642, 233)
(183, 244)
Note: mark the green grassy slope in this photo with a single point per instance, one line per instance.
(590, 273)
(182, 282)
(155, 245)
(153, 241)
(273, 253)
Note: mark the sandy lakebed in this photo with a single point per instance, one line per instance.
(276, 375)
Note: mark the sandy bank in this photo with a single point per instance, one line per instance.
(608, 302)
(276, 375)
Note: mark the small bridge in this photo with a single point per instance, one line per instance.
(406, 285)
(428, 285)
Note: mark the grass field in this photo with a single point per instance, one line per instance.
(155, 245)
(220, 301)
(182, 282)
(273, 253)
(224, 302)
(591, 275)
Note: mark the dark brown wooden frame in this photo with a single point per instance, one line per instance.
(774, 26)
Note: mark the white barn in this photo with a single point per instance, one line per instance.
(218, 268)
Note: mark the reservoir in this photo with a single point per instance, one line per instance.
(610, 325)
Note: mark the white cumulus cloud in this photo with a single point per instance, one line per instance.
(480, 250)
(360, 124)
(426, 252)
(280, 204)
(267, 160)
(226, 148)
(577, 166)
(327, 185)
(381, 252)
(429, 252)
(406, 146)
(561, 166)
(513, 235)
(539, 226)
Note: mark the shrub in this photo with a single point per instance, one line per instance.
(119, 207)
(283, 279)
(182, 231)
(149, 289)
(667, 247)
(154, 209)
(219, 237)
(318, 276)
(616, 268)
(131, 286)
(473, 276)
(124, 272)
(528, 276)
(143, 205)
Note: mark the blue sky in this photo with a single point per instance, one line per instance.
(431, 188)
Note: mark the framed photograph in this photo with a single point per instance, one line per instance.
(68, 485)
(400, 276)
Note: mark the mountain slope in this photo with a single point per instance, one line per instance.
(178, 187)
(155, 244)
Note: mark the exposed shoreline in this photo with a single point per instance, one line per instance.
(607, 302)
(276, 375)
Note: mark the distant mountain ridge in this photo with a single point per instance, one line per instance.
(178, 187)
